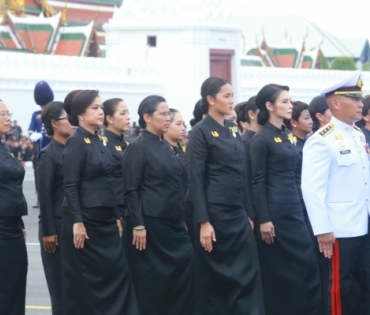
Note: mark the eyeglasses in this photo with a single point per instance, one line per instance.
(166, 114)
(6, 114)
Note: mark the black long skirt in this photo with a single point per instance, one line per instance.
(53, 271)
(189, 219)
(163, 273)
(96, 279)
(228, 279)
(13, 266)
(289, 267)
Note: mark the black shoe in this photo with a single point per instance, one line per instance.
(36, 206)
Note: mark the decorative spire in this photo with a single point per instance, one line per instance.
(16, 7)
(64, 13)
(47, 9)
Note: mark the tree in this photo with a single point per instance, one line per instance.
(343, 63)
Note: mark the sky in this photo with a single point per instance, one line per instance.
(341, 18)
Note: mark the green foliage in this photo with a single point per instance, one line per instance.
(343, 63)
(366, 66)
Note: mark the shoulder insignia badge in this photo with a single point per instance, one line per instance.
(118, 148)
(215, 134)
(278, 140)
(324, 131)
(12, 155)
(183, 148)
(87, 140)
(128, 143)
(357, 128)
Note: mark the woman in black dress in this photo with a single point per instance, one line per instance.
(176, 133)
(116, 122)
(288, 263)
(51, 194)
(13, 253)
(248, 114)
(301, 126)
(159, 249)
(228, 279)
(188, 205)
(95, 275)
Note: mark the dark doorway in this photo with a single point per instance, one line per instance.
(220, 60)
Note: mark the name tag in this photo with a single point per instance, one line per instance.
(342, 152)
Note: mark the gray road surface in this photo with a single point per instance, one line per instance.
(37, 298)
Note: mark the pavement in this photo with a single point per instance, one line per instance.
(37, 296)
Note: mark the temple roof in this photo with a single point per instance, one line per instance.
(35, 34)
(74, 41)
(291, 29)
(48, 35)
(77, 12)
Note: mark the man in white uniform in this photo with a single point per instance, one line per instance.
(335, 186)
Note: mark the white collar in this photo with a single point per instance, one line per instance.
(341, 125)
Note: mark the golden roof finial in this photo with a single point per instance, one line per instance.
(64, 13)
(16, 7)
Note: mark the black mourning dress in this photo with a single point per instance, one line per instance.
(247, 140)
(95, 279)
(162, 273)
(290, 274)
(228, 279)
(13, 253)
(117, 146)
(51, 195)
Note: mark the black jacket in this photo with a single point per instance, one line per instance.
(50, 185)
(215, 166)
(298, 170)
(247, 139)
(117, 146)
(274, 160)
(88, 174)
(12, 201)
(153, 179)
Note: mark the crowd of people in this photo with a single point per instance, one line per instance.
(264, 210)
(19, 144)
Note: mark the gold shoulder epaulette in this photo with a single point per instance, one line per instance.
(183, 148)
(357, 128)
(324, 131)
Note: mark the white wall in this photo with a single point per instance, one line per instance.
(304, 84)
(20, 72)
(182, 55)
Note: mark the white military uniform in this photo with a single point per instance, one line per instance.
(335, 180)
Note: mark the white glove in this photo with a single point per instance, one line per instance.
(35, 136)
